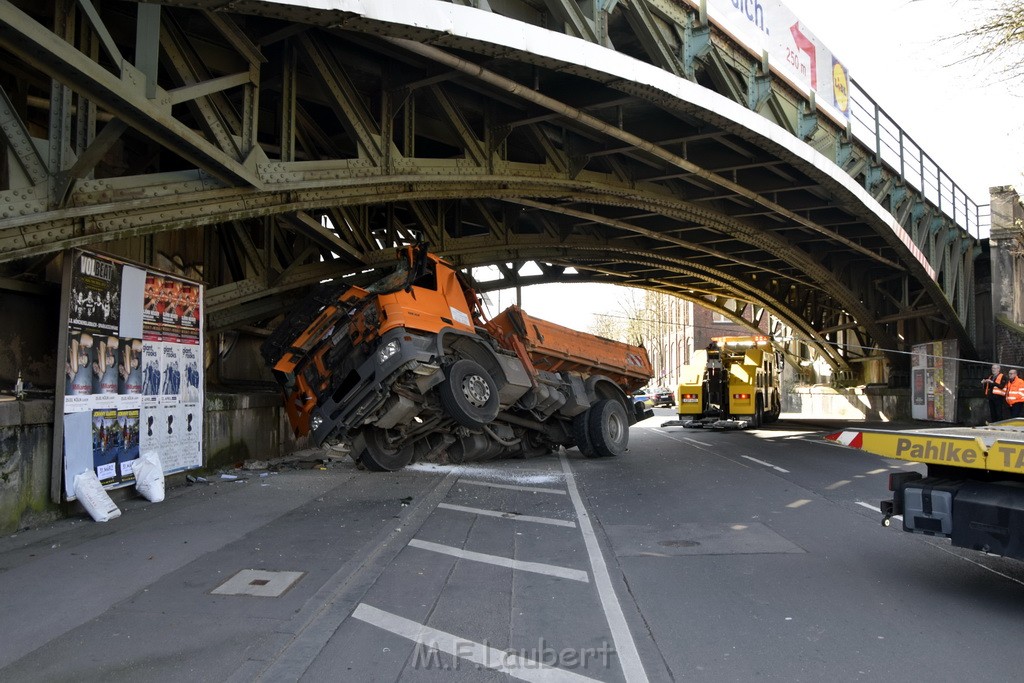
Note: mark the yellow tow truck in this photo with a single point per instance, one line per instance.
(733, 384)
(973, 491)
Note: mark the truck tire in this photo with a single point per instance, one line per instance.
(758, 418)
(380, 456)
(581, 434)
(608, 428)
(468, 394)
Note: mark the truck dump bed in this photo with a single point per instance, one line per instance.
(555, 348)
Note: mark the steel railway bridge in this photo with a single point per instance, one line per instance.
(268, 145)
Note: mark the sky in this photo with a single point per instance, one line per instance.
(904, 54)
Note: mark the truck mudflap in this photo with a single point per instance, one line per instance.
(990, 517)
(642, 412)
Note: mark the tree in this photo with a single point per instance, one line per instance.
(607, 326)
(644, 317)
(995, 34)
(1000, 36)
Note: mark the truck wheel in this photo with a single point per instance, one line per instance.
(581, 434)
(468, 394)
(758, 419)
(380, 456)
(608, 428)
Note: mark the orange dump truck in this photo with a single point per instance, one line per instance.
(409, 368)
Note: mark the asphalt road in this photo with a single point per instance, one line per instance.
(719, 556)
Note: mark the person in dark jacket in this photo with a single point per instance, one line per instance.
(995, 391)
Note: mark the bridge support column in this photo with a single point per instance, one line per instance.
(1007, 254)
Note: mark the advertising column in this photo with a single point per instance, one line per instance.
(132, 380)
(934, 376)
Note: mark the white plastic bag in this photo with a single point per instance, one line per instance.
(149, 477)
(89, 492)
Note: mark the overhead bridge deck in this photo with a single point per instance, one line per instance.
(271, 145)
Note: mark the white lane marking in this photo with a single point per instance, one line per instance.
(629, 657)
(799, 503)
(508, 515)
(699, 443)
(880, 470)
(512, 486)
(975, 562)
(535, 567)
(874, 508)
(766, 464)
(838, 484)
(523, 668)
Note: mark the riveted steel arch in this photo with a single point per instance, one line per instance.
(298, 142)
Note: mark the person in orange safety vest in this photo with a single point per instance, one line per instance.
(995, 391)
(1015, 394)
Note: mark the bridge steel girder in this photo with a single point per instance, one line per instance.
(303, 141)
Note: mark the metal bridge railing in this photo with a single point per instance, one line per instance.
(901, 153)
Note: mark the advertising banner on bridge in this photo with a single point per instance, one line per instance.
(133, 373)
(793, 51)
(934, 376)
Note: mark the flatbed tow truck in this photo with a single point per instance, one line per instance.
(973, 491)
(734, 383)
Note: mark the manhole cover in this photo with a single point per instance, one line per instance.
(262, 584)
(678, 544)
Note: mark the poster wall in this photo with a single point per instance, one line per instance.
(934, 377)
(793, 51)
(133, 371)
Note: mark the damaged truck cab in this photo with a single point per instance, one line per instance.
(408, 368)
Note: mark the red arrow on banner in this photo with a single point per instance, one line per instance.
(804, 44)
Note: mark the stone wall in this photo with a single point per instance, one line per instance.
(237, 427)
(252, 426)
(26, 445)
(1006, 245)
(875, 403)
(1009, 343)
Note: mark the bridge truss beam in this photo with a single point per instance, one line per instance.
(298, 143)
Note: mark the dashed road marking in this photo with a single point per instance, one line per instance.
(766, 464)
(514, 665)
(498, 560)
(838, 484)
(508, 515)
(513, 487)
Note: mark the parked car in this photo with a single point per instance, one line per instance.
(642, 396)
(663, 396)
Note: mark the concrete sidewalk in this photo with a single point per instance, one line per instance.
(131, 598)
